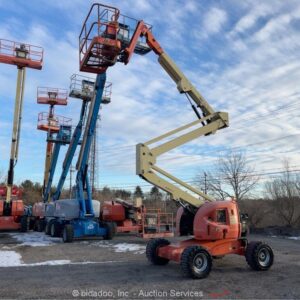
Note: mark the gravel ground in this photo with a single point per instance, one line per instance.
(35, 266)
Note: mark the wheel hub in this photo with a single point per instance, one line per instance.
(200, 263)
(264, 257)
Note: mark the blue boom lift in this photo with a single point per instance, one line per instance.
(76, 218)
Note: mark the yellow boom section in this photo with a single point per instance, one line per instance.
(146, 156)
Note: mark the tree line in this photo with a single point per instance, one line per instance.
(276, 202)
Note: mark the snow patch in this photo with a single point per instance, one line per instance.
(122, 247)
(14, 259)
(296, 238)
(125, 247)
(10, 259)
(35, 239)
(50, 263)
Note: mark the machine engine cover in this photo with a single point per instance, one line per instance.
(113, 212)
(217, 220)
(67, 209)
(70, 209)
(17, 208)
(49, 209)
(38, 209)
(96, 207)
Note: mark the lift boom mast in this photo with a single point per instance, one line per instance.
(209, 123)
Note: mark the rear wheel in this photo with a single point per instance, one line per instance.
(196, 262)
(24, 224)
(152, 251)
(259, 256)
(110, 230)
(68, 233)
(55, 229)
(41, 225)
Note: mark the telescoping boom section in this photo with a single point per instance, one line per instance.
(13, 214)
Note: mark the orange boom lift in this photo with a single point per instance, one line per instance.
(13, 215)
(217, 227)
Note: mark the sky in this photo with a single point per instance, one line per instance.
(243, 56)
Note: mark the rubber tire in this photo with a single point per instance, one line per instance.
(55, 230)
(68, 233)
(48, 227)
(187, 260)
(151, 251)
(31, 224)
(24, 224)
(252, 253)
(41, 225)
(110, 230)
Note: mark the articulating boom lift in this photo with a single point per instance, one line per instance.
(216, 225)
(12, 211)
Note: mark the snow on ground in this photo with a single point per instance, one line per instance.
(35, 239)
(122, 247)
(125, 247)
(296, 238)
(14, 259)
(10, 259)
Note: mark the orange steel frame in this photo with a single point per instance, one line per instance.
(215, 248)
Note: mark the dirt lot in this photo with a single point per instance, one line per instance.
(36, 266)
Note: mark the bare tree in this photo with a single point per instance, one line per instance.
(235, 177)
(2, 177)
(285, 192)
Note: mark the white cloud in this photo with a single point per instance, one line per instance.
(246, 75)
(213, 20)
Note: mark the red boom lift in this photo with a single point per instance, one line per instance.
(217, 226)
(13, 215)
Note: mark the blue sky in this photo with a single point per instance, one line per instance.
(243, 56)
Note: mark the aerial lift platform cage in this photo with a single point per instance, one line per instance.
(20, 54)
(105, 33)
(157, 224)
(48, 121)
(52, 124)
(83, 87)
(52, 96)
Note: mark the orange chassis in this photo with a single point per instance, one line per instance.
(215, 248)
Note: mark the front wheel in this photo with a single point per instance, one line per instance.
(24, 224)
(259, 256)
(48, 227)
(196, 262)
(110, 230)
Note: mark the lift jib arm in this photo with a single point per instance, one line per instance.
(208, 123)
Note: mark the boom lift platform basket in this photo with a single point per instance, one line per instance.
(157, 224)
(52, 96)
(83, 87)
(20, 54)
(104, 34)
(52, 124)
